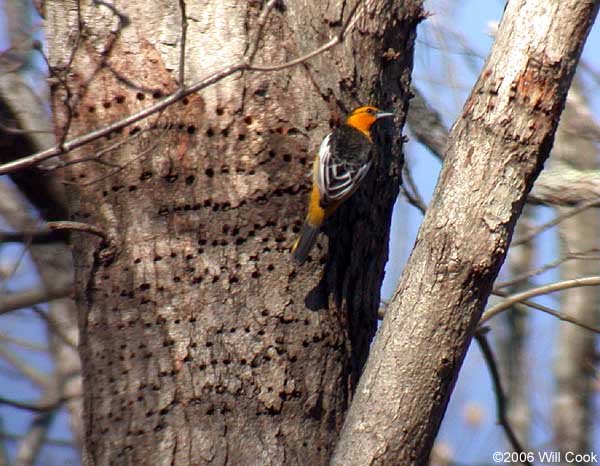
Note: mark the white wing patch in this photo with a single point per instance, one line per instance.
(337, 179)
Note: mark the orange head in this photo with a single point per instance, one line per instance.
(363, 118)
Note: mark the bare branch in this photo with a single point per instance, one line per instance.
(45, 234)
(24, 367)
(564, 186)
(77, 226)
(14, 301)
(555, 221)
(426, 124)
(54, 327)
(26, 344)
(96, 157)
(184, 26)
(179, 94)
(50, 441)
(552, 287)
(412, 194)
(262, 20)
(501, 407)
(549, 266)
(38, 408)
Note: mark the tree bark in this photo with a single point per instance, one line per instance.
(496, 149)
(201, 342)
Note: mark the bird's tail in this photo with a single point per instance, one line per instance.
(303, 245)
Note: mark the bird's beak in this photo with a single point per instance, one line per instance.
(383, 114)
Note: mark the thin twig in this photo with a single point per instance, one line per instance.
(5, 277)
(490, 361)
(555, 221)
(122, 167)
(77, 226)
(565, 318)
(50, 441)
(44, 235)
(38, 408)
(54, 327)
(25, 344)
(179, 94)
(100, 153)
(582, 255)
(262, 20)
(24, 367)
(184, 26)
(412, 195)
(25, 299)
(552, 287)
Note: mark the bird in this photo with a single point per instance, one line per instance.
(343, 160)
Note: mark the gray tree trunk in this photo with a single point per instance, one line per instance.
(201, 341)
(496, 149)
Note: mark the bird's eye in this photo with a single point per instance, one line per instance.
(370, 111)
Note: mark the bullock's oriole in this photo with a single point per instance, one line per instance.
(343, 160)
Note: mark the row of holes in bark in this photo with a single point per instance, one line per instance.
(139, 96)
(215, 243)
(160, 320)
(169, 342)
(189, 180)
(197, 280)
(225, 206)
(209, 277)
(211, 410)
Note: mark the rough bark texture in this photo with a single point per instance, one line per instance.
(575, 349)
(495, 150)
(201, 342)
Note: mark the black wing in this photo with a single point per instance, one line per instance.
(340, 173)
